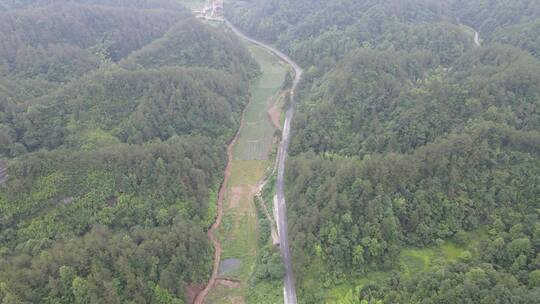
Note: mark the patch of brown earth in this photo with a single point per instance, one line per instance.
(238, 300)
(229, 283)
(192, 290)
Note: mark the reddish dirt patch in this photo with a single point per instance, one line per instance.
(238, 300)
(229, 283)
(192, 290)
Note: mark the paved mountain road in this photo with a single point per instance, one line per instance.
(477, 39)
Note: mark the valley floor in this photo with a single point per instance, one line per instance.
(238, 232)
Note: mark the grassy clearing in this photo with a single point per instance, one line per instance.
(344, 293)
(247, 172)
(451, 251)
(416, 260)
(225, 295)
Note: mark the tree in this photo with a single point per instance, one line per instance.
(534, 278)
(80, 291)
(358, 255)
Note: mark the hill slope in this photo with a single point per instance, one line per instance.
(113, 168)
(414, 152)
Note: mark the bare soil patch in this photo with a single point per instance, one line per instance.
(229, 283)
(238, 300)
(192, 290)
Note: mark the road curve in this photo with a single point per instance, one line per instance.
(477, 39)
(289, 288)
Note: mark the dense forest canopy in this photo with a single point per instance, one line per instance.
(38, 110)
(415, 156)
(511, 22)
(140, 106)
(410, 139)
(113, 128)
(318, 31)
(200, 46)
(64, 40)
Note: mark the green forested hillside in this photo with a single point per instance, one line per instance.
(134, 107)
(60, 41)
(413, 176)
(114, 157)
(512, 22)
(356, 216)
(193, 44)
(382, 101)
(321, 32)
(123, 223)
(43, 48)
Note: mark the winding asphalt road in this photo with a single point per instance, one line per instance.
(289, 288)
(477, 39)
